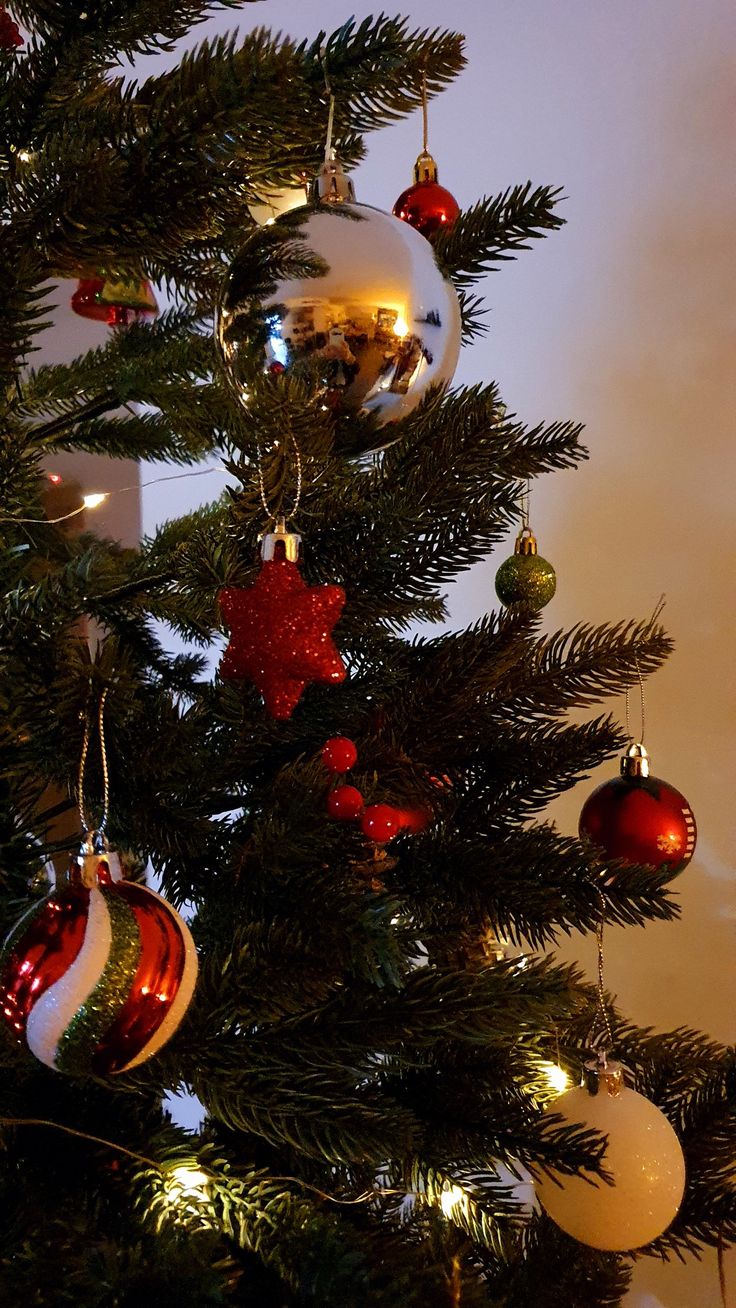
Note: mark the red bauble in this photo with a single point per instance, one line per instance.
(345, 803)
(640, 819)
(86, 299)
(280, 635)
(10, 37)
(425, 205)
(97, 977)
(380, 823)
(428, 207)
(339, 754)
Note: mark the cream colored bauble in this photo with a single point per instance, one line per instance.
(371, 333)
(643, 1156)
(275, 203)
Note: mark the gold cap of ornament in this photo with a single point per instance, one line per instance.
(425, 168)
(526, 542)
(280, 543)
(601, 1075)
(635, 762)
(332, 184)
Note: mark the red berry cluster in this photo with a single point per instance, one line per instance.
(10, 37)
(378, 822)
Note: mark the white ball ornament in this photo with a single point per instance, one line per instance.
(272, 204)
(643, 1156)
(373, 331)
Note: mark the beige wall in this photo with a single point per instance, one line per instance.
(625, 320)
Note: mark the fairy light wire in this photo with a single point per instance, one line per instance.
(101, 497)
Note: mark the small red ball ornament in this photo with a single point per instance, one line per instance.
(345, 803)
(339, 754)
(640, 819)
(380, 823)
(425, 205)
(280, 628)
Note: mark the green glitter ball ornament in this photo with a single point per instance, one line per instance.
(526, 578)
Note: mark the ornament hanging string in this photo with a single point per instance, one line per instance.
(105, 772)
(641, 705)
(722, 1270)
(524, 505)
(273, 515)
(425, 122)
(331, 98)
(601, 1029)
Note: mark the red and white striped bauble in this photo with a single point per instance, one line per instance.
(98, 976)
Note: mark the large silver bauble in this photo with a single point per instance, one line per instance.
(374, 331)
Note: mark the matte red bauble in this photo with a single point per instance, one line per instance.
(640, 819)
(98, 975)
(280, 628)
(345, 803)
(425, 205)
(380, 823)
(339, 754)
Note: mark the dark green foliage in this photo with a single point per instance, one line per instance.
(358, 1040)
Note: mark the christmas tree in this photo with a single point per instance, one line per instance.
(351, 816)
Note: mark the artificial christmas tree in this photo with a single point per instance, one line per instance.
(374, 1063)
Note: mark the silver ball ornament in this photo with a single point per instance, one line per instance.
(372, 331)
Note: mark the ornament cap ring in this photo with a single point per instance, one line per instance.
(635, 762)
(602, 1074)
(526, 542)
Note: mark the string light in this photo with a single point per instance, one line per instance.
(452, 1199)
(186, 1186)
(556, 1077)
(95, 499)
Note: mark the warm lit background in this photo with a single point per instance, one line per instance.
(625, 320)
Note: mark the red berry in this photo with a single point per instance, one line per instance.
(380, 823)
(345, 803)
(339, 754)
(414, 820)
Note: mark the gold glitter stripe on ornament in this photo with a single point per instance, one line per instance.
(79, 1041)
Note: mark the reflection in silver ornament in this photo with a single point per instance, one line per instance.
(373, 332)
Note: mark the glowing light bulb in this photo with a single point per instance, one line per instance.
(55, 478)
(186, 1186)
(94, 500)
(452, 1199)
(25, 156)
(556, 1077)
(401, 326)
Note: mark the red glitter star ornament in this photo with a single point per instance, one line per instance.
(280, 628)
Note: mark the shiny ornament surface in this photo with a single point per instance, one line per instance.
(339, 754)
(640, 819)
(98, 976)
(371, 333)
(281, 635)
(427, 207)
(345, 803)
(644, 1157)
(380, 823)
(273, 204)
